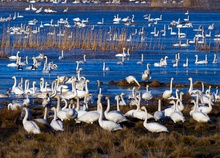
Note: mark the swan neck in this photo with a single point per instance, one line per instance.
(159, 105)
(45, 112)
(100, 113)
(26, 114)
(77, 103)
(15, 82)
(108, 106)
(58, 103)
(171, 85)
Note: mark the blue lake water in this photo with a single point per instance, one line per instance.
(92, 70)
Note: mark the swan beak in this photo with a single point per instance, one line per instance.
(55, 97)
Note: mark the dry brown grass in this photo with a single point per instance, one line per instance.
(190, 139)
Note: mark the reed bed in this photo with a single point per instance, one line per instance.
(98, 40)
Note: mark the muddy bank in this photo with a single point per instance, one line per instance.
(155, 83)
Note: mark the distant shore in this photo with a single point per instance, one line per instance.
(103, 6)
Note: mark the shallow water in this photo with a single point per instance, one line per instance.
(92, 70)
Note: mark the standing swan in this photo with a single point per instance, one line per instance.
(168, 93)
(147, 94)
(131, 79)
(30, 126)
(159, 115)
(115, 116)
(199, 116)
(153, 126)
(106, 124)
(56, 125)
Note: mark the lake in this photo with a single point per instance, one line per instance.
(147, 31)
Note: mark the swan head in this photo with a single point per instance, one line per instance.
(193, 101)
(172, 102)
(9, 106)
(144, 108)
(117, 97)
(53, 108)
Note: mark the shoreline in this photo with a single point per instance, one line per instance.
(121, 7)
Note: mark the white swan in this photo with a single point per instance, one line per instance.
(191, 91)
(56, 124)
(159, 115)
(176, 63)
(30, 126)
(101, 22)
(216, 95)
(122, 61)
(164, 62)
(201, 61)
(186, 64)
(147, 94)
(121, 102)
(205, 109)
(16, 90)
(198, 115)
(84, 60)
(175, 97)
(153, 126)
(106, 124)
(123, 54)
(168, 93)
(14, 106)
(44, 119)
(115, 115)
(146, 75)
(80, 111)
(14, 57)
(62, 55)
(3, 95)
(159, 64)
(131, 79)
(61, 114)
(142, 59)
(91, 116)
(104, 68)
(215, 61)
(138, 113)
(176, 115)
(71, 113)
